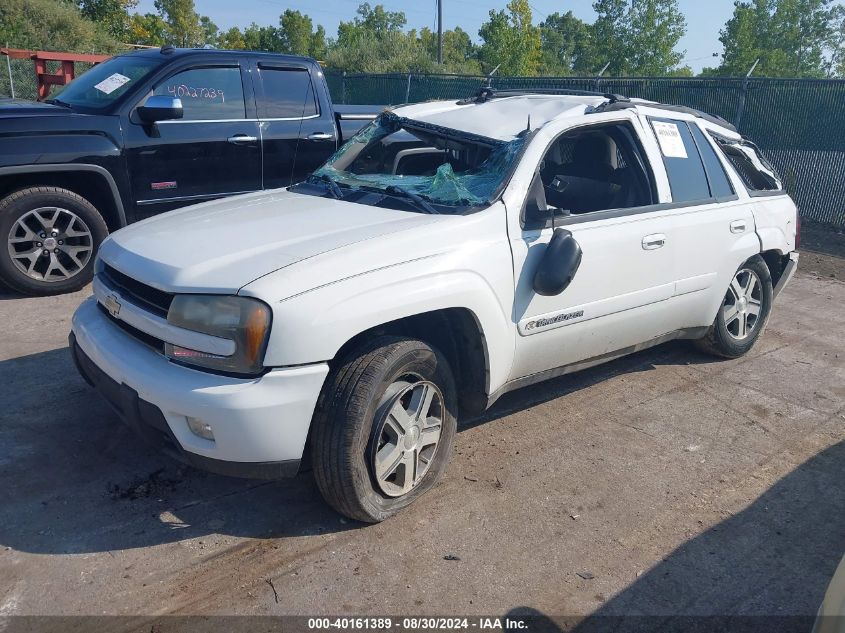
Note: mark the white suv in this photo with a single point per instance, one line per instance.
(448, 253)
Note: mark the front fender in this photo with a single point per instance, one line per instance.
(313, 326)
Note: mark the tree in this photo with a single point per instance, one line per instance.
(655, 28)
(459, 52)
(298, 37)
(374, 41)
(640, 39)
(51, 25)
(185, 27)
(262, 38)
(791, 38)
(112, 16)
(610, 35)
(565, 45)
(511, 41)
(232, 40)
(149, 29)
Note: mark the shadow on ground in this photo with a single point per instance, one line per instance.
(74, 480)
(781, 550)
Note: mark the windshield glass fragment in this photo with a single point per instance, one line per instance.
(444, 167)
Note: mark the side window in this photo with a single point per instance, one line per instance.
(287, 93)
(207, 93)
(756, 172)
(595, 169)
(719, 183)
(684, 168)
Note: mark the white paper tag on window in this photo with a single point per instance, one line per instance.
(111, 83)
(671, 143)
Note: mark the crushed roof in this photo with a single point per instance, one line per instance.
(502, 118)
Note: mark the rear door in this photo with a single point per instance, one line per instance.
(714, 225)
(297, 134)
(212, 151)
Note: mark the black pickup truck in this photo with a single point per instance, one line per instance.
(147, 132)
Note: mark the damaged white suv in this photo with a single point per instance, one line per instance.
(448, 253)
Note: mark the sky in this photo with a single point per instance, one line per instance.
(704, 17)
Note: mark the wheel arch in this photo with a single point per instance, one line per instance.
(92, 182)
(457, 333)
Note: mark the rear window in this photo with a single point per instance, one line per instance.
(287, 93)
(756, 172)
(684, 168)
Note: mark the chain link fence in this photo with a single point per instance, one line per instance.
(800, 123)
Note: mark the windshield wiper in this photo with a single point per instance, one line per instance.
(331, 185)
(422, 203)
(58, 102)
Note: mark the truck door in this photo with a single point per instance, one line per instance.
(297, 134)
(212, 151)
(598, 178)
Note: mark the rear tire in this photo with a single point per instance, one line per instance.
(51, 238)
(743, 314)
(383, 428)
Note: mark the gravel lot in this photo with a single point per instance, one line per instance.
(672, 483)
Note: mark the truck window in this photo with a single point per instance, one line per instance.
(207, 94)
(684, 168)
(594, 169)
(754, 169)
(287, 93)
(719, 183)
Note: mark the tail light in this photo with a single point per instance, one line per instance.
(797, 230)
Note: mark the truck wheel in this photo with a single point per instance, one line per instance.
(52, 236)
(384, 427)
(743, 314)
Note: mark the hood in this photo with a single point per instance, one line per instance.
(220, 246)
(21, 107)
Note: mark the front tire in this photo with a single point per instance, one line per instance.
(743, 314)
(383, 428)
(51, 238)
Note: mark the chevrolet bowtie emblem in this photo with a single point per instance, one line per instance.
(112, 305)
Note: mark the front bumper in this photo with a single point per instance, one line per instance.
(260, 424)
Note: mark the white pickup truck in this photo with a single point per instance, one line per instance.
(448, 253)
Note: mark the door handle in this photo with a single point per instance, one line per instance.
(656, 240)
(738, 226)
(237, 139)
(320, 136)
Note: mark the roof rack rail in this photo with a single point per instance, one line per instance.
(485, 93)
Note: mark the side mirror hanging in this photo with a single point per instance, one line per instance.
(558, 264)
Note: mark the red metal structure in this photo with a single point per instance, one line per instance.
(46, 79)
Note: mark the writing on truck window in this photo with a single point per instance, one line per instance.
(183, 91)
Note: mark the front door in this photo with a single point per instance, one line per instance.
(598, 177)
(213, 151)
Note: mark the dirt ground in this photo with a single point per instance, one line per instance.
(664, 483)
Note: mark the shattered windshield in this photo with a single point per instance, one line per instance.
(434, 169)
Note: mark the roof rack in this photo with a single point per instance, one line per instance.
(485, 93)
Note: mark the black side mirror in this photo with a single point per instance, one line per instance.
(558, 265)
(160, 108)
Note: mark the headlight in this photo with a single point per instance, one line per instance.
(243, 320)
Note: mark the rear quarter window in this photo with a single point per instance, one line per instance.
(756, 172)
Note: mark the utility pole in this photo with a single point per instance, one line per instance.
(439, 31)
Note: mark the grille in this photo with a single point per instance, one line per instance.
(142, 295)
(147, 339)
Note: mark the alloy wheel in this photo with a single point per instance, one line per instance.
(407, 434)
(743, 304)
(50, 244)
